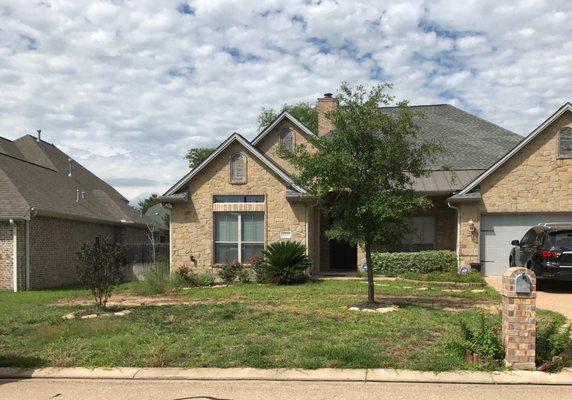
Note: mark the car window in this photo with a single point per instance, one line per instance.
(561, 240)
(528, 238)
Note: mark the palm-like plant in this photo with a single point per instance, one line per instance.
(285, 263)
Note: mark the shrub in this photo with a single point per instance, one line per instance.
(101, 269)
(244, 275)
(229, 271)
(156, 280)
(184, 276)
(257, 265)
(205, 279)
(424, 262)
(472, 277)
(553, 345)
(484, 341)
(285, 263)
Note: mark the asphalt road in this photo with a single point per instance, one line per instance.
(255, 390)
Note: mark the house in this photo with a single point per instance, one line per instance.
(530, 184)
(49, 206)
(242, 197)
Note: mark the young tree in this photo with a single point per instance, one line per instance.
(197, 155)
(303, 112)
(100, 269)
(364, 170)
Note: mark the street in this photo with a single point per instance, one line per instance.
(76, 389)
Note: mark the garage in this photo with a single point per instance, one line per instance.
(497, 231)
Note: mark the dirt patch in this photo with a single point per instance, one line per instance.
(438, 303)
(123, 301)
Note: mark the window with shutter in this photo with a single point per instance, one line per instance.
(565, 142)
(238, 168)
(287, 140)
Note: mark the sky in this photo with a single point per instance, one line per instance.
(126, 87)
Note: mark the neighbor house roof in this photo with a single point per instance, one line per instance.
(507, 156)
(235, 137)
(35, 175)
(470, 142)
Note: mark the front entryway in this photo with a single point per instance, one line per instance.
(343, 256)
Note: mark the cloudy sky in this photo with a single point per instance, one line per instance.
(125, 87)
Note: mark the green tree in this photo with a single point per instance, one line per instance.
(197, 155)
(303, 112)
(365, 170)
(147, 203)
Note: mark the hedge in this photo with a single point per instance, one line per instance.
(392, 264)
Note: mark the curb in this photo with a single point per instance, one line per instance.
(325, 374)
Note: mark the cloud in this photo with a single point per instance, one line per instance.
(127, 87)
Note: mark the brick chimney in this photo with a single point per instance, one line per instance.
(325, 104)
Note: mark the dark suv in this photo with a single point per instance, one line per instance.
(547, 250)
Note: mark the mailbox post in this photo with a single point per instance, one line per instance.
(519, 317)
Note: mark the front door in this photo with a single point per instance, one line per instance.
(343, 256)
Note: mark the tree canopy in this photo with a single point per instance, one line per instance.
(303, 112)
(147, 203)
(197, 155)
(364, 170)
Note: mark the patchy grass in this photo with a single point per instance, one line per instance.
(303, 326)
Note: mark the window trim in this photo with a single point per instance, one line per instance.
(282, 135)
(560, 155)
(230, 163)
(239, 241)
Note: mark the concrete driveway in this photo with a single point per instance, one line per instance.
(556, 297)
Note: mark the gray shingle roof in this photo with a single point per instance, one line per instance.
(35, 174)
(470, 142)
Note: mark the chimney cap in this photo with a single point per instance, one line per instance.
(328, 95)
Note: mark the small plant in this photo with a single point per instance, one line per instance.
(156, 280)
(101, 269)
(257, 265)
(229, 271)
(285, 263)
(483, 342)
(553, 346)
(205, 279)
(244, 275)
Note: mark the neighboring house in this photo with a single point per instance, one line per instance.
(160, 216)
(529, 185)
(49, 206)
(242, 197)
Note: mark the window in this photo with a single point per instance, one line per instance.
(237, 168)
(565, 142)
(529, 238)
(421, 235)
(238, 236)
(287, 140)
(238, 198)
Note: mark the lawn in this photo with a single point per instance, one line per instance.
(303, 326)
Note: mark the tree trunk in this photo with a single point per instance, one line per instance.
(370, 286)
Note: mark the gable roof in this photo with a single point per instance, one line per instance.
(566, 107)
(283, 115)
(470, 142)
(35, 175)
(235, 137)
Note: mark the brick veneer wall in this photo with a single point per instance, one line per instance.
(6, 254)
(518, 321)
(192, 222)
(534, 180)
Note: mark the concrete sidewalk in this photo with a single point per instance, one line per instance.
(330, 375)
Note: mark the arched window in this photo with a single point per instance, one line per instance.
(287, 140)
(237, 168)
(565, 142)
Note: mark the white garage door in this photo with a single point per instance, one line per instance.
(497, 231)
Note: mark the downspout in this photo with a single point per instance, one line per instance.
(14, 254)
(458, 241)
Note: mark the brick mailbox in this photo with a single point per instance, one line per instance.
(519, 317)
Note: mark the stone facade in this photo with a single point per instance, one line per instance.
(518, 321)
(270, 144)
(192, 231)
(53, 247)
(534, 180)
